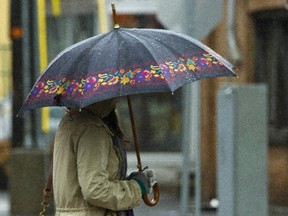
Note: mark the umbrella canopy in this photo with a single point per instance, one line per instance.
(124, 62)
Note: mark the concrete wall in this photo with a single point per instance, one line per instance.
(28, 170)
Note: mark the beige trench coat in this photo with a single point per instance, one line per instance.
(85, 170)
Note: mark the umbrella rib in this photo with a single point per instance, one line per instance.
(199, 44)
(170, 48)
(148, 49)
(205, 48)
(117, 60)
(70, 48)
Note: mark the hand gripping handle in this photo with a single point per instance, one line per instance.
(156, 198)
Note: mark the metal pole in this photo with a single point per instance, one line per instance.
(191, 135)
(196, 124)
(185, 173)
(43, 56)
(102, 16)
(233, 48)
(27, 56)
(34, 70)
(191, 132)
(17, 71)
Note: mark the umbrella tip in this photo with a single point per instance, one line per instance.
(116, 25)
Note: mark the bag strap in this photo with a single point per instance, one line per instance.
(48, 186)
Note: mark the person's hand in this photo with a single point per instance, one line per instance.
(146, 179)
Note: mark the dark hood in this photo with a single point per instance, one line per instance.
(102, 108)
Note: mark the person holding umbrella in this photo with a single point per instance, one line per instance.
(89, 165)
(89, 175)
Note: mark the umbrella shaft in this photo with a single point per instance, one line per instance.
(139, 164)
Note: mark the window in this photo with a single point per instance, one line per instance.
(158, 121)
(64, 31)
(271, 66)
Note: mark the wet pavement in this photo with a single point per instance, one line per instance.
(168, 206)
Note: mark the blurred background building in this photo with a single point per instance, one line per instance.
(251, 34)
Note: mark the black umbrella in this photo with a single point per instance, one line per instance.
(124, 62)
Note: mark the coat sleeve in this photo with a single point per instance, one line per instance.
(96, 186)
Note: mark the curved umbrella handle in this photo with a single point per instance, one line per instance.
(156, 198)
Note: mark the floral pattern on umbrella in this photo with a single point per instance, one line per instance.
(98, 81)
(124, 62)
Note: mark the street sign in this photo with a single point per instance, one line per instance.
(196, 18)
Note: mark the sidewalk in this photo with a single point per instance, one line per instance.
(4, 204)
(167, 206)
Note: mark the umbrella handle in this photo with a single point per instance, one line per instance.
(156, 191)
(136, 144)
(156, 198)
